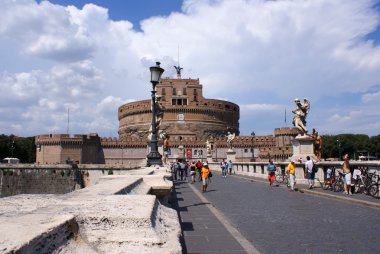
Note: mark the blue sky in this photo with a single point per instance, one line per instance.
(132, 10)
(93, 56)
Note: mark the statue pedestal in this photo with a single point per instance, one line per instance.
(209, 158)
(303, 146)
(231, 155)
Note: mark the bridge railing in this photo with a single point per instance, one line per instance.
(259, 169)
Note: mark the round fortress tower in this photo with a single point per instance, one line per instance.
(186, 112)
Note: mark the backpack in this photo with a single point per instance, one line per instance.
(314, 170)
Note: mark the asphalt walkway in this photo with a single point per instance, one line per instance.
(206, 230)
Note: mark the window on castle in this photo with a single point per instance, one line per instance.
(163, 91)
(184, 91)
(174, 91)
(179, 101)
(195, 92)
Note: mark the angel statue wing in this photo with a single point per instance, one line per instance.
(306, 106)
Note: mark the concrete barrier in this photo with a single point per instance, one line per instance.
(116, 215)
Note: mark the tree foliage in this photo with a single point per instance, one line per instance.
(18, 147)
(335, 146)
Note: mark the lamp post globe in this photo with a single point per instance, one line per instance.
(154, 157)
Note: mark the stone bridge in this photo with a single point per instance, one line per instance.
(122, 213)
(124, 210)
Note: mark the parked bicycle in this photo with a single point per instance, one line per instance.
(374, 188)
(359, 181)
(330, 179)
(338, 184)
(281, 176)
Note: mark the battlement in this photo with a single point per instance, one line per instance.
(61, 139)
(285, 131)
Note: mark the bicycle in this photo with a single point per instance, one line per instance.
(338, 185)
(328, 183)
(281, 177)
(374, 188)
(359, 181)
(368, 179)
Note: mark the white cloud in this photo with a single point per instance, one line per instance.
(371, 97)
(258, 54)
(260, 108)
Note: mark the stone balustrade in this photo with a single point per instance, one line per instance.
(116, 215)
(259, 169)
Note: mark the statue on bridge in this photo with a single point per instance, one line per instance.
(300, 113)
(230, 137)
(208, 147)
(317, 144)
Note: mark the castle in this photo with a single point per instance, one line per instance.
(188, 118)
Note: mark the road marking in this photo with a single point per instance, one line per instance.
(247, 245)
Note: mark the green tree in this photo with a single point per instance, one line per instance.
(18, 147)
(335, 146)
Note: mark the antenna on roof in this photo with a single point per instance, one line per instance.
(286, 124)
(178, 68)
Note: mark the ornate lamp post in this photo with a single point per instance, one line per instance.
(340, 154)
(154, 157)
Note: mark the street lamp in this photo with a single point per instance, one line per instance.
(340, 155)
(252, 145)
(154, 157)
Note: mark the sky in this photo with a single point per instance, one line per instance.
(86, 58)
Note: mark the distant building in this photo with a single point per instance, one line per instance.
(189, 119)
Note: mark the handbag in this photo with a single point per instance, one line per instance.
(210, 174)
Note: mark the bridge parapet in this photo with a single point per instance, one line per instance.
(117, 215)
(259, 169)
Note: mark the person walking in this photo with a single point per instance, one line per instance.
(182, 168)
(291, 171)
(205, 175)
(229, 166)
(309, 173)
(271, 169)
(223, 166)
(193, 172)
(199, 166)
(347, 174)
(176, 169)
(166, 148)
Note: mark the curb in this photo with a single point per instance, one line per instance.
(343, 198)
